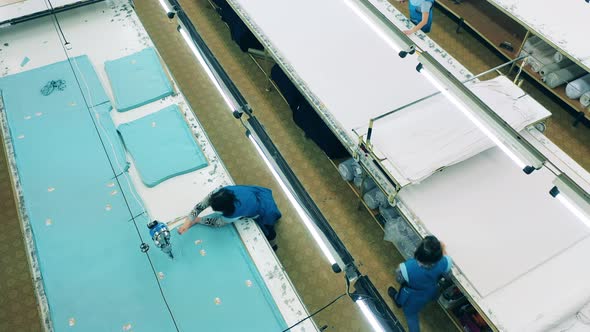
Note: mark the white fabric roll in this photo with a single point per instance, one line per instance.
(530, 43)
(348, 169)
(375, 198)
(585, 99)
(368, 184)
(563, 76)
(558, 57)
(575, 89)
(555, 67)
(539, 60)
(388, 213)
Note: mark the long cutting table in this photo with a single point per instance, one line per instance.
(508, 237)
(105, 32)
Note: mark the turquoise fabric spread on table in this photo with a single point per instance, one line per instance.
(137, 79)
(110, 137)
(162, 146)
(94, 275)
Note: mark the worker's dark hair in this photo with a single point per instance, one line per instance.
(429, 251)
(223, 200)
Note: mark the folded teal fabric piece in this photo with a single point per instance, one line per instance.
(137, 79)
(162, 146)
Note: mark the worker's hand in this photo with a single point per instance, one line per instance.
(187, 224)
(408, 32)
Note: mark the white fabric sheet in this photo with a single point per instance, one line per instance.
(521, 240)
(357, 75)
(433, 134)
(28, 7)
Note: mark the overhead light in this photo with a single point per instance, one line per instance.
(369, 315)
(205, 66)
(574, 198)
(167, 9)
(396, 33)
(485, 119)
(302, 214)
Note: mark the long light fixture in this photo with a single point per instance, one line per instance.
(398, 35)
(167, 8)
(369, 315)
(306, 220)
(485, 119)
(302, 214)
(203, 63)
(574, 198)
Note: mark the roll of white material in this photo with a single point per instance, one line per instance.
(575, 89)
(539, 60)
(368, 183)
(375, 198)
(348, 169)
(558, 57)
(585, 99)
(388, 213)
(563, 76)
(555, 67)
(530, 43)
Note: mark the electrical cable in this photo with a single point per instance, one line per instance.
(60, 33)
(316, 312)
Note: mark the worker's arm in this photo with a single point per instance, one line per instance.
(425, 17)
(201, 206)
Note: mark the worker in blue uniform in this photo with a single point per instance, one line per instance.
(420, 15)
(419, 278)
(232, 203)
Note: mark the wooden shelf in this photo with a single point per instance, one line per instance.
(559, 92)
(487, 23)
(494, 26)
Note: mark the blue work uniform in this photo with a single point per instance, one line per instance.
(254, 202)
(417, 7)
(420, 287)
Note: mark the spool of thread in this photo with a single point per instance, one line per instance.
(558, 57)
(585, 99)
(348, 169)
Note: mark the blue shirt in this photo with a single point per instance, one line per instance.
(423, 5)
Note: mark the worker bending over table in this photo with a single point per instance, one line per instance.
(420, 15)
(419, 278)
(232, 203)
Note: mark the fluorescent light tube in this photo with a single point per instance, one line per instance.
(302, 214)
(379, 31)
(165, 6)
(370, 316)
(573, 197)
(203, 63)
(563, 199)
(473, 119)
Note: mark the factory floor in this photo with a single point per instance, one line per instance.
(303, 261)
